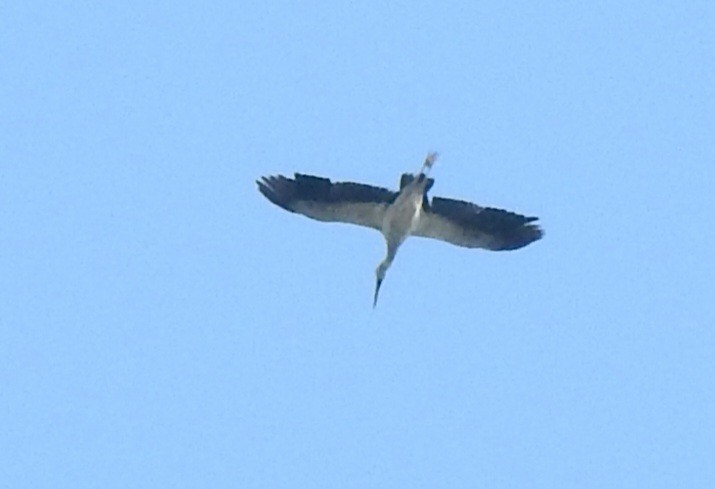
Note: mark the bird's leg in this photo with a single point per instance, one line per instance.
(429, 161)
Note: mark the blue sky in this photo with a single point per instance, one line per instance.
(163, 325)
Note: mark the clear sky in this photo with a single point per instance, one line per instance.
(163, 325)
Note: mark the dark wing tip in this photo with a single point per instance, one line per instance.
(521, 236)
(278, 189)
(512, 230)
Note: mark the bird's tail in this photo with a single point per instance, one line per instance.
(408, 178)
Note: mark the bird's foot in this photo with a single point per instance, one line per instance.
(429, 161)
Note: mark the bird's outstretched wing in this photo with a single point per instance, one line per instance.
(321, 199)
(472, 226)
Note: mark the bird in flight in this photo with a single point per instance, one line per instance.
(403, 213)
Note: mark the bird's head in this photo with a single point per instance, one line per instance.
(379, 277)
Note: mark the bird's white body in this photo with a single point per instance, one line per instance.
(402, 217)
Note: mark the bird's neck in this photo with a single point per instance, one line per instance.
(391, 252)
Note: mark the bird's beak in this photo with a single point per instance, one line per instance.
(377, 290)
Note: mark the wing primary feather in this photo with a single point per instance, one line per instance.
(278, 190)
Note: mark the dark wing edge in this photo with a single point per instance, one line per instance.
(323, 200)
(472, 226)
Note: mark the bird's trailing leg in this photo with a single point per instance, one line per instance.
(429, 161)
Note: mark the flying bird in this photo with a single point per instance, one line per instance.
(403, 213)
